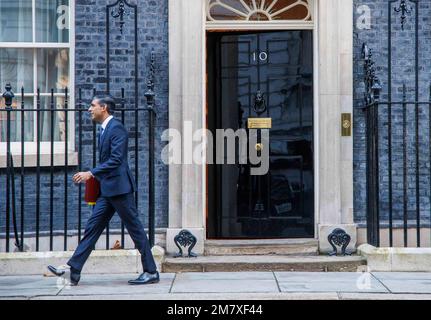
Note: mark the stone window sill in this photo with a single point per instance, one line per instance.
(45, 160)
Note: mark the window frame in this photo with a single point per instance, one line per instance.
(30, 147)
(215, 25)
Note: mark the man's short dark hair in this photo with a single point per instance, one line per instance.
(106, 100)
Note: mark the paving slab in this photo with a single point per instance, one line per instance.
(227, 285)
(405, 282)
(252, 275)
(382, 296)
(402, 275)
(117, 285)
(328, 282)
(27, 293)
(24, 282)
(206, 296)
(224, 282)
(29, 286)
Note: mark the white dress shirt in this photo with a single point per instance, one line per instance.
(105, 123)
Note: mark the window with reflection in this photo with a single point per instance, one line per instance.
(35, 54)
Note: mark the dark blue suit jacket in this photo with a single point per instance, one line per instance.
(113, 171)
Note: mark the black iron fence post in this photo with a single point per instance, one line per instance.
(149, 94)
(373, 220)
(8, 97)
(372, 97)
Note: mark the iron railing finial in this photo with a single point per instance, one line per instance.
(8, 96)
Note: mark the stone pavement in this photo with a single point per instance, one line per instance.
(226, 285)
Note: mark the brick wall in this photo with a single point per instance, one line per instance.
(403, 72)
(90, 72)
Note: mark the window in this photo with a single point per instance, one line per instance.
(36, 52)
(297, 13)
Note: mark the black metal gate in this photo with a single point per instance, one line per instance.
(52, 176)
(398, 139)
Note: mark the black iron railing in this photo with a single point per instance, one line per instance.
(389, 118)
(398, 136)
(52, 177)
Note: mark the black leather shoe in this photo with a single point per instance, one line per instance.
(146, 278)
(62, 270)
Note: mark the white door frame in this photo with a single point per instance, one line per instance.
(222, 26)
(333, 77)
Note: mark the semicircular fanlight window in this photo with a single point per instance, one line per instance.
(258, 10)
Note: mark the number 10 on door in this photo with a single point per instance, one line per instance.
(262, 56)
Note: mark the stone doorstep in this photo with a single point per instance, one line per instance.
(99, 262)
(396, 259)
(294, 247)
(263, 263)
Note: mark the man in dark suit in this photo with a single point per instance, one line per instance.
(116, 195)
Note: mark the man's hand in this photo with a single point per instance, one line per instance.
(81, 177)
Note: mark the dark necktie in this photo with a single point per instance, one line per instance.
(100, 135)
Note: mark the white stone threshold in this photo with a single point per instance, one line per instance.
(396, 259)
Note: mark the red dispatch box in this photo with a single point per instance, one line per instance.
(92, 191)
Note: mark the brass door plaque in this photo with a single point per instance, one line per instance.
(346, 124)
(259, 123)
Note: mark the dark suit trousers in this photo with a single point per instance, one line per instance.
(103, 211)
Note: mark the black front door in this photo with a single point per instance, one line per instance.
(278, 67)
